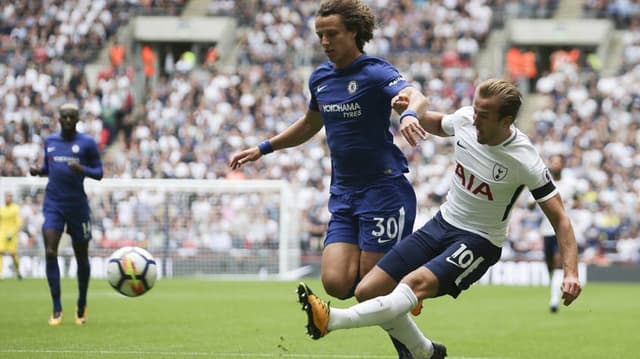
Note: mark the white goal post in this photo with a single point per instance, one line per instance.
(220, 228)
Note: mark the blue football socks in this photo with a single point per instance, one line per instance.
(53, 277)
(84, 272)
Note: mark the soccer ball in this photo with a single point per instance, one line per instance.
(132, 271)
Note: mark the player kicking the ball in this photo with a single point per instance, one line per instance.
(494, 162)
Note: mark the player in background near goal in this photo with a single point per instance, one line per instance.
(69, 157)
(567, 188)
(372, 204)
(10, 224)
(494, 162)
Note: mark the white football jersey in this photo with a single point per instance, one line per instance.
(488, 179)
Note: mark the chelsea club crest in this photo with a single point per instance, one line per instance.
(352, 87)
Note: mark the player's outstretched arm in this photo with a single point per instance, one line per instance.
(409, 103)
(554, 210)
(298, 133)
(248, 155)
(429, 121)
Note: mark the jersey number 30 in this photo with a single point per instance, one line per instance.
(390, 227)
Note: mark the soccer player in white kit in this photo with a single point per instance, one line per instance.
(494, 162)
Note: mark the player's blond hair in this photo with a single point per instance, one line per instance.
(356, 16)
(508, 94)
(69, 108)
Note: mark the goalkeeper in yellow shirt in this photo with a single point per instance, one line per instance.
(10, 224)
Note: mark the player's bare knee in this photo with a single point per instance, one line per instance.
(423, 283)
(336, 288)
(338, 292)
(363, 292)
(338, 283)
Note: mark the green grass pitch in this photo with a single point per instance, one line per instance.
(192, 318)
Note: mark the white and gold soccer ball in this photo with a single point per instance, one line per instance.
(132, 271)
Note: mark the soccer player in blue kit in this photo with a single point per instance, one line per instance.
(69, 157)
(372, 204)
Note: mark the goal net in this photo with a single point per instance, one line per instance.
(192, 227)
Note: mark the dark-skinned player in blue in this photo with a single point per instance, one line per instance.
(372, 204)
(69, 157)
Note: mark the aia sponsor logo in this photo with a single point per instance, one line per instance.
(473, 184)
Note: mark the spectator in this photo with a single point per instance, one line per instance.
(117, 53)
(149, 66)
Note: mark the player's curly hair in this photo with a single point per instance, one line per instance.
(509, 95)
(356, 16)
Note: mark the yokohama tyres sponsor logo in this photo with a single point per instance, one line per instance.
(67, 159)
(349, 110)
(341, 107)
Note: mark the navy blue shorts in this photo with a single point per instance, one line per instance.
(550, 247)
(458, 258)
(374, 217)
(76, 217)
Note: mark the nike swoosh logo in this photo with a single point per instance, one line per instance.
(320, 88)
(460, 145)
(453, 262)
(383, 241)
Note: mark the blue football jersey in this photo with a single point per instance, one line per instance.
(355, 104)
(64, 186)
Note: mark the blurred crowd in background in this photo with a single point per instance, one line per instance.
(196, 115)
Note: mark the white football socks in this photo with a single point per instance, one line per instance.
(374, 311)
(556, 287)
(404, 329)
(391, 313)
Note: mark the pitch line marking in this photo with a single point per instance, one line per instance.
(210, 354)
(192, 354)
